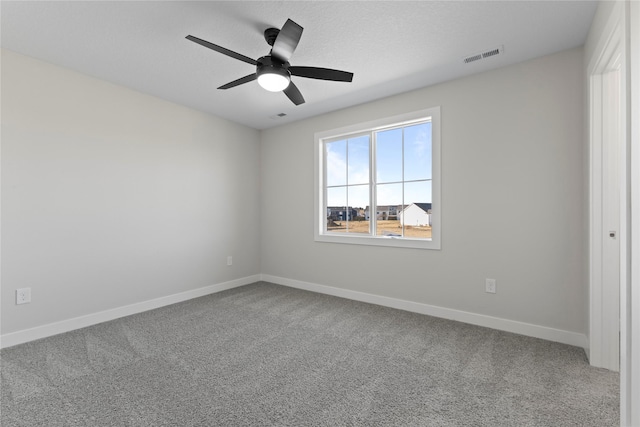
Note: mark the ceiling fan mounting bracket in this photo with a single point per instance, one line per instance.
(270, 35)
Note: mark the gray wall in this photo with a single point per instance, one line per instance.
(111, 197)
(512, 199)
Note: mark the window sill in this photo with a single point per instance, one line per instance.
(395, 242)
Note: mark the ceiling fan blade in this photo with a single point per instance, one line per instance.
(293, 93)
(240, 81)
(286, 41)
(222, 50)
(321, 74)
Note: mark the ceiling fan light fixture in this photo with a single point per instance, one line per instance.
(273, 76)
(273, 82)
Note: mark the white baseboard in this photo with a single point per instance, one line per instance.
(543, 332)
(26, 335)
(528, 329)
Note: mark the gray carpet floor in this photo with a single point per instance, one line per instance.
(267, 355)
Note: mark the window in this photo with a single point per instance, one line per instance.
(378, 183)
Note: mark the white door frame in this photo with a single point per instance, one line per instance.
(623, 28)
(630, 313)
(607, 111)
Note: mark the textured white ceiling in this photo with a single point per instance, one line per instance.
(390, 46)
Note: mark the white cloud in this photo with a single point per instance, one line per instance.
(336, 166)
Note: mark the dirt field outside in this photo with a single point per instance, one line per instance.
(385, 228)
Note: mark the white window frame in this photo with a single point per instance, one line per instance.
(320, 207)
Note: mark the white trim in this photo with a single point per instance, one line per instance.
(528, 329)
(26, 335)
(604, 292)
(536, 331)
(630, 323)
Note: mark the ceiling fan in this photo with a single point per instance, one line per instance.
(273, 71)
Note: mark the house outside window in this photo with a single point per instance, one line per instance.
(390, 167)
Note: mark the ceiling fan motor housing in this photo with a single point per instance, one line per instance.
(270, 65)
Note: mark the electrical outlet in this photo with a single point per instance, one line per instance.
(23, 296)
(229, 260)
(490, 286)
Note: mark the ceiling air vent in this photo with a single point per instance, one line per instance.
(278, 116)
(472, 58)
(487, 54)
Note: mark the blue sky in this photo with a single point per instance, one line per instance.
(389, 162)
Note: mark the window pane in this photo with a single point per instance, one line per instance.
(389, 156)
(416, 216)
(336, 196)
(358, 201)
(358, 149)
(336, 163)
(417, 192)
(417, 152)
(336, 205)
(389, 197)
